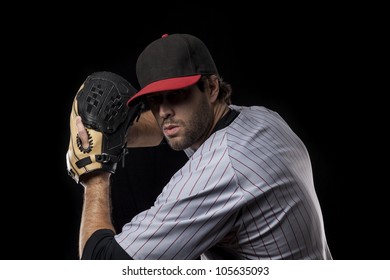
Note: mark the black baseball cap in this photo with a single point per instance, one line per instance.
(172, 62)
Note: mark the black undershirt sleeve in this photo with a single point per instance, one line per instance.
(103, 246)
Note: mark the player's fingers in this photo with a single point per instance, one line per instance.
(82, 132)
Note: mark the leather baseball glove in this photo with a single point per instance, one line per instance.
(101, 102)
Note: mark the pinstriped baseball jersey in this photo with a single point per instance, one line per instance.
(246, 193)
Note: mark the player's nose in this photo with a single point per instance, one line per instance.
(165, 109)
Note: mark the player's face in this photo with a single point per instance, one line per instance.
(185, 116)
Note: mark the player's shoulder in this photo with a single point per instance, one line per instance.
(254, 110)
(256, 115)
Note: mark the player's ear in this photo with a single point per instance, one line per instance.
(213, 85)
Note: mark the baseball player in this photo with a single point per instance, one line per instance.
(246, 191)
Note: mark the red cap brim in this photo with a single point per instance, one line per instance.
(167, 84)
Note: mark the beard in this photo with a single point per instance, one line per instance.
(195, 129)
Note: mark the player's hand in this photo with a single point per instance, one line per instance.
(82, 132)
(145, 132)
(96, 177)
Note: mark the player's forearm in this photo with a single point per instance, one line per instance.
(145, 132)
(96, 212)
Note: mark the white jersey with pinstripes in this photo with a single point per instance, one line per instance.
(246, 193)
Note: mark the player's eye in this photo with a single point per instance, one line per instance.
(171, 97)
(176, 97)
(154, 100)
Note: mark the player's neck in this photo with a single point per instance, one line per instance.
(220, 110)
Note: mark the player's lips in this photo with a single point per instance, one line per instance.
(170, 130)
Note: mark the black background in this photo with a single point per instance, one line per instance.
(314, 68)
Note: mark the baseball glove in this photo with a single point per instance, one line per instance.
(101, 102)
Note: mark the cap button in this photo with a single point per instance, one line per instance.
(165, 35)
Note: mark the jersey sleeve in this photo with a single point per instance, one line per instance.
(195, 210)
